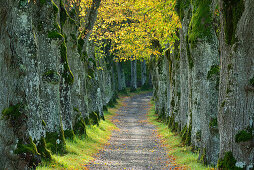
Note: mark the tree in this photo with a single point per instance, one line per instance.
(133, 25)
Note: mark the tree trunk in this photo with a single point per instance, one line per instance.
(121, 76)
(236, 98)
(133, 75)
(143, 73)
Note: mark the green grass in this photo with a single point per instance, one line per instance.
(81, 151)
(182, 155)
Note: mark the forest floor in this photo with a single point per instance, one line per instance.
(135, 145)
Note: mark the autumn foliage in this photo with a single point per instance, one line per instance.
(132, 25)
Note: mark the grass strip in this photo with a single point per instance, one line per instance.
(178, 153)
(81, 151)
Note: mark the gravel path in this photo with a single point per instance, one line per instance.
(135, 145)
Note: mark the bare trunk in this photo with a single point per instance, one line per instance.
(121, 76)
(134, 75)
(143, 73)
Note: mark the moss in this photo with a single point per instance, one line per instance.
(55, 35)
(228, 90)
(73, 13)
(63, 13)
(220, 163)
(55, 7)
(203, 157)
(26, 147)
(94, 118)
(43, 150)
(57, 27)
(201, 22)
(27, 150)
(188, 137)
(80, 125)
(50, 73)
(175, 128)
(55, 141)
(81, 43)
(42, 2)
(74, 38)
(65, 37)
(162, 115)
(230, 67)
(184, 133)
(12, 112)
(51, 76)
(223, 104)
(228, 162)
(72, 21)
(87, 121)
(243, 136)
(171, 121)
(190, 59)
(102, 117)
(67, 74)
(69, 134)
(105, 108)
(23, 3)
(40, 26)
(180, 6)
(43, 123)
(252, 81)
(90, 72)
(214, 71)
(213, 123)
(232, 11)
(172, 103)
(198, 135)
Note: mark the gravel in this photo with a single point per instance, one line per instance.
(135, 145)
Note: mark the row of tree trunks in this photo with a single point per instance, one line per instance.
(210, 91)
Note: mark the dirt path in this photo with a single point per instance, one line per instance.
(135, 145)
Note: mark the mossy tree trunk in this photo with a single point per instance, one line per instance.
(39, 50)
(236, 98)
(203, 59)
(184, 71)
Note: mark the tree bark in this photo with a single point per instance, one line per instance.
(236, 100)
(133, 75)
(121, 76)
(143, 73)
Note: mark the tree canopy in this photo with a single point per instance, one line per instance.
(133, 25)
